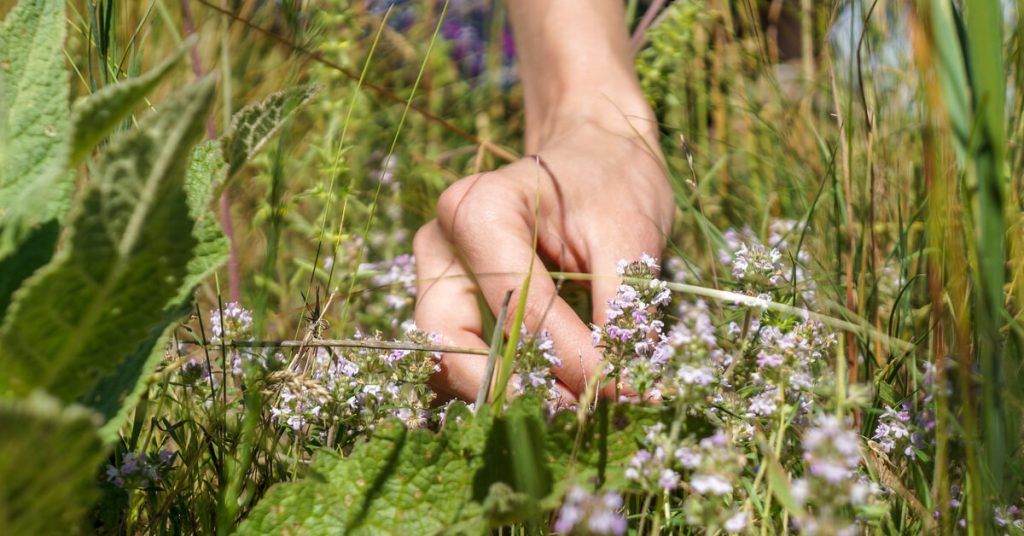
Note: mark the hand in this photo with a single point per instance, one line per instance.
(595, 192)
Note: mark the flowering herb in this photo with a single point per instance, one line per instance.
(590, 514)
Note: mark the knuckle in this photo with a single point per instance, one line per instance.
(468, 205)
(452, 198)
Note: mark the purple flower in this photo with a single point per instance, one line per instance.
(236, 324)
(768, 359)
(832, 451)
(583, 512)
(736, 523)
(713, 484)
(669, 479)
(892, 432)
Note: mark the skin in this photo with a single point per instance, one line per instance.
(592, 186)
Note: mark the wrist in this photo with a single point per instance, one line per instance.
(612, 103)
(576, 67)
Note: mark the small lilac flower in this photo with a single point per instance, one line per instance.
(688, 458)
(140, 470)
(669, 479)
(892, 432)
(768, 359)
(831, 450)
(736, 523)
(586, 513)
(236, 324)
(713, 484)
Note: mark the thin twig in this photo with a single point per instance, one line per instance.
(342, 343)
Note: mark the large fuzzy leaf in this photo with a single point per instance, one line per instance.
(400, 482)
(115, 394)
(607, 442)
(34, 187)
(95, 116)
(131, 239)
(206, 172)
(48, 461)
(470, 475)
(5, 106)
(35, 251)
(255, 124)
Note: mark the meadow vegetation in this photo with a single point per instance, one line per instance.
(206, 279)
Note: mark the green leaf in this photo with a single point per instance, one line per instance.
(126, 257)
(399, 482)
(607, 442)
(5, 107)
(115, 394)
(48, 461)
(952, 71)
(469, 476)
(95, 116)
(34, 187)
(255, 124)
(1000, 368)
(36, 251)
(206, 172)
(514, 454)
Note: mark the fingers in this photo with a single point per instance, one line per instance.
(446, 304)
(490, 221)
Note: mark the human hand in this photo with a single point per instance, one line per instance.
(595, 192)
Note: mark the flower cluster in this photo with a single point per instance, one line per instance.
(654, 467)
(140, 471)
(203, 371)
(356, 387)
(687, 360)
(831, 453)
(634, 318)
(398, 276)
(585, 513)
(785, 364)
(758, 267)
(194, 373)
(893, 433)
(705, 468)
(1009, 519)
(536, 357)
(234, 323)
(714, 466)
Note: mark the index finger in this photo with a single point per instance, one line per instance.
(491, 223)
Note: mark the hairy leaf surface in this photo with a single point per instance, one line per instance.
(400, 481)
(34, 187)
(206, 172)
(255, 124)
(131, 239)
(469, 476)
(35, 251)
(116, 393)
(48, 461)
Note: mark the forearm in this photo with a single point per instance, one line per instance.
(575, 66)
